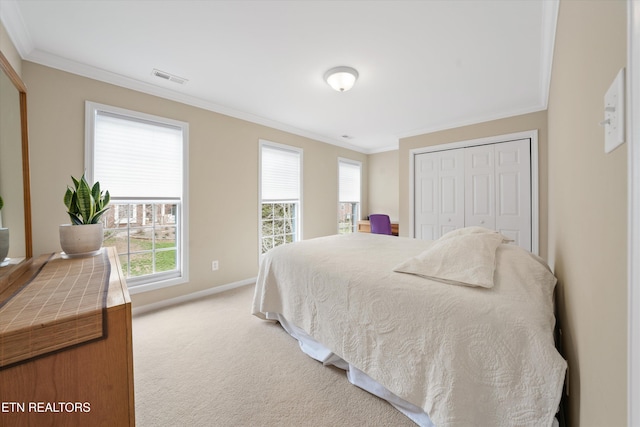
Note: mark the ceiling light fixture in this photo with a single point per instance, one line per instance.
(341, 78)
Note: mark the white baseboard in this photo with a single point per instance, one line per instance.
(190, 297)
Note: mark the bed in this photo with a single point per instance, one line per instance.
(452, 332)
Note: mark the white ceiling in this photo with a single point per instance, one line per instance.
(424, 65)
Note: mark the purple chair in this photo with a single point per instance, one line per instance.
(380, 224)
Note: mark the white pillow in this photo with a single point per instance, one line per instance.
(463, 259)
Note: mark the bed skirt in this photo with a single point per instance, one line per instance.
(317, 351)
(356, 377)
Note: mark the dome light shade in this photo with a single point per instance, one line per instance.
(341, 78)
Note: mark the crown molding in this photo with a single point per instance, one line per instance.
(14, 24)
(473, 121)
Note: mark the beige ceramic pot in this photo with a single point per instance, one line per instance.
(78, 240)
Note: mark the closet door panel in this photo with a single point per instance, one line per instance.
(509, 194)
(439, 193)
(451, 171)
(513, 190)
(427, 232)
(479, 186)
(426, 196)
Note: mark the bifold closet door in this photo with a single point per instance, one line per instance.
(486, 185)
(498, 189)
(513, 191)
(439, 193)
(480, 187)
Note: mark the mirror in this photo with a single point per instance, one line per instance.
(15, 215)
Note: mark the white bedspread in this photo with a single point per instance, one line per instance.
(468, 356)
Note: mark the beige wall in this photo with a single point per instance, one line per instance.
(223, 174)
(497, 127)
(588, 211)
(383, 184)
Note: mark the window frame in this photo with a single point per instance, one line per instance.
(359, 213)
(274, 145)
(163, 279)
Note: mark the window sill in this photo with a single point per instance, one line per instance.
(158, 284)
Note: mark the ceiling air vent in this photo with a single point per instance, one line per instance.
(170, 77)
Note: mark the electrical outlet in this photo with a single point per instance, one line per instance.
(214, 265)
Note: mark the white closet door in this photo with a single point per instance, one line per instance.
(451, 215)
(480, 198)
(513, 191)
(426, 196)
(439, 193)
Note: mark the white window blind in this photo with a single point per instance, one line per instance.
(135, 158)
(280, 174)
(349, 177)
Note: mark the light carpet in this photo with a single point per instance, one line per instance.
(211, 363)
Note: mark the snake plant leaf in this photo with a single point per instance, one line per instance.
(85, 204)
(1, 203)
(85, 200)
(75, 219)
(68, 196)
(98, 214)
(107, 199)
(95, 192)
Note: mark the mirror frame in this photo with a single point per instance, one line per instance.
(22, 90)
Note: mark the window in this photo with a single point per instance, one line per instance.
(142, 161)
(280, 201)
(348, 195)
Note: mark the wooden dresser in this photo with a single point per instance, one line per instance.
(85, 384)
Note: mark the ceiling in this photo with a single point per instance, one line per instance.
(424, 65)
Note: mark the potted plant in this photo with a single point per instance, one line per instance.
(4, 238)
(85, 205)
